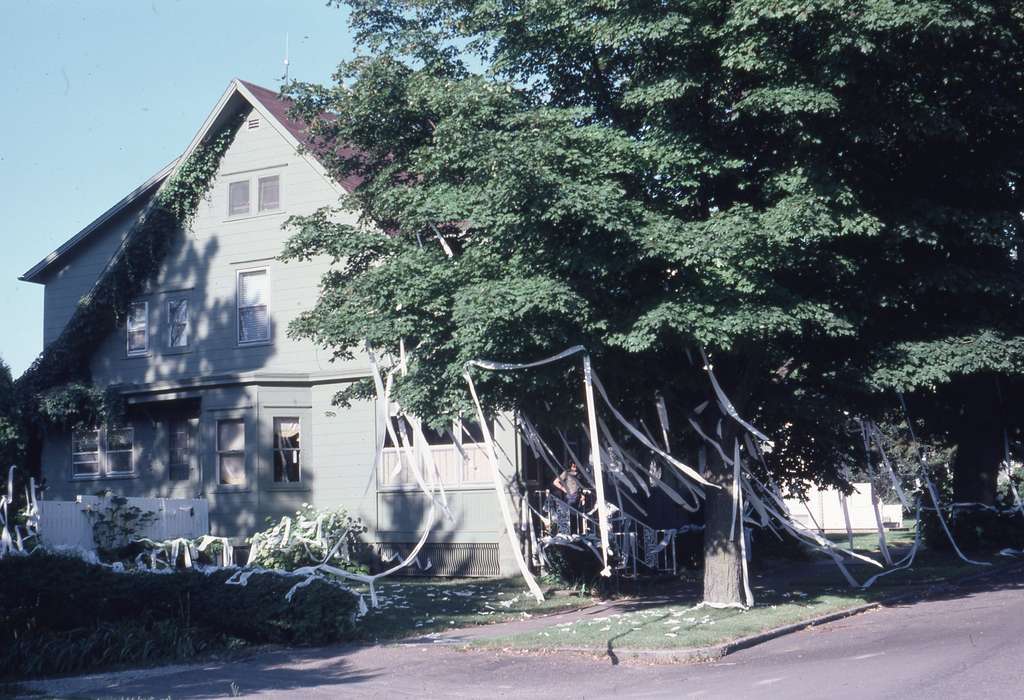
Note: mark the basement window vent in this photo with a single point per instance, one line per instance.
(254, 123)
(443, 558)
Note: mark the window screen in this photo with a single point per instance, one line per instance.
(138, 328)
(238, 198)
(253, 319)
(270, 193)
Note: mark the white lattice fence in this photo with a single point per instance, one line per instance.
(66, 523)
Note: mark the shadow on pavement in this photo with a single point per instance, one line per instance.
(294, 670)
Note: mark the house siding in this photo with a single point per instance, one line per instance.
(67, 283)
(203, 264)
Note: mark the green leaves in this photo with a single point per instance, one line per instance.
(831, 187)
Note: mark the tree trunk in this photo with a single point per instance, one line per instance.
(976, 467)
(979, 445)
(723, 565)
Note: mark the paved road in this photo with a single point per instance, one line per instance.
(965, 643)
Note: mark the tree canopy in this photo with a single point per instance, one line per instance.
(824, 195)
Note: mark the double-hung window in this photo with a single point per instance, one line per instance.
(181, 444)
(265, 190)
(287, 460)
(97, 453)
(85, 453)
(253, 297)
(178, 325)
(120, 447)
(238, 198)
(269, 189)
(138, 328)
(231, 452)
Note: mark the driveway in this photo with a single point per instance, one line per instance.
(966, 643)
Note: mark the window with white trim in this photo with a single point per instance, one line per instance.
(120, 449)
(269, 189)
(85, 452)
(287, 455)
(107, 452)
(238, 198)
(138, 328)
(231, 452)
(252, 296)
(178, 323)
(458, 453)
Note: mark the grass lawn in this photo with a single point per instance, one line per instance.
(784, 594)
(868, 541)
(411, 607)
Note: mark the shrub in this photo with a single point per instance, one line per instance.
(61, 614)
(572, 567)
(308, 538)
(115, 524)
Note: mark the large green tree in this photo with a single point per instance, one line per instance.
(822, 194)
(11, 438)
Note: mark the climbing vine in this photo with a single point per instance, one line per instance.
(56, 389)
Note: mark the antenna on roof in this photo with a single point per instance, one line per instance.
(286, 62)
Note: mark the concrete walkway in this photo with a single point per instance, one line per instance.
(966, 642)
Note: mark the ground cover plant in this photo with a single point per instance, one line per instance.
(63, 615)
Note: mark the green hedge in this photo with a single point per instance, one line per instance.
(62, 615)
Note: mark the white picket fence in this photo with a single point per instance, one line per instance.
(826, 510)
(66, 522)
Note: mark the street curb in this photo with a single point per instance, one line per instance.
(715, 651)
(719, 651)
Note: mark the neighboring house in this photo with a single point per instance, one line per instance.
(223, 405)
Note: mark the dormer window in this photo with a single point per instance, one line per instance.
(138, 328)
(238, 198)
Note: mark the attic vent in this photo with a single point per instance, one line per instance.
(254, 123)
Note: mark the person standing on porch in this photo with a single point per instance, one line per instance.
(568, 482)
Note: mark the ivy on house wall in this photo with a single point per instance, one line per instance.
(57, 389)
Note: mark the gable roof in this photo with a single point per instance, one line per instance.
(271, 107)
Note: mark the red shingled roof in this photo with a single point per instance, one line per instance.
(279, 107)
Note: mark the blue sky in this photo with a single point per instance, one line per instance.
(100, 94)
